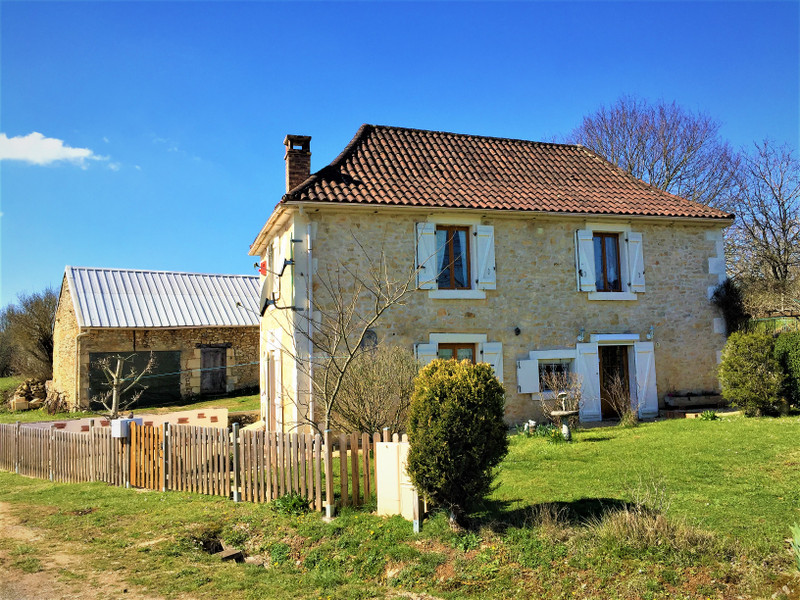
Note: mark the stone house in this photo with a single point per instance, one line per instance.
(533, 257)
(202, 330)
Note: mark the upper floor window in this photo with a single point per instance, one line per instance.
(609, 261)
(452, 258)
(455, 260)
(606, 262)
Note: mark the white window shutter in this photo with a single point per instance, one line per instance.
(425, 353)
(587, 366)
(426, 256)
(646, 391)
(492, 353)
(487, 278)
(528, 376)
(635, 262)
(584, 247)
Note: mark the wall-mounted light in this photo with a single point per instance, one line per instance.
(581, 335)
(651, 332)
(517, 330)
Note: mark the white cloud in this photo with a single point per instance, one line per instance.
(36, 149)
(114, 166)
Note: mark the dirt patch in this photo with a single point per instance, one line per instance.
(58, 574)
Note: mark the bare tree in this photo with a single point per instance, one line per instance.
(664, 144)
(376, 391)
(765, 240)
(351, 298)
(622, 403)
(123, 389)
(29, 327)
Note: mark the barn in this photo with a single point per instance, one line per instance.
(202, 330)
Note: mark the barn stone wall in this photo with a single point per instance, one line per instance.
(242, 355)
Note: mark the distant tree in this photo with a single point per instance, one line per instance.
(29, 327)
(764, 243)
(664, 144)
(122, 389)
(6, 347)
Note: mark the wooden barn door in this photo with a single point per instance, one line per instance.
(214, 364)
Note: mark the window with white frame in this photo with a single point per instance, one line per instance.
(532, 373)
(609, 262)
(551, 370)
(462, 346)
(455, 259)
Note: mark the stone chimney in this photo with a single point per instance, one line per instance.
(298, 159)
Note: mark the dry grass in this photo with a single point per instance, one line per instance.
(642, 526)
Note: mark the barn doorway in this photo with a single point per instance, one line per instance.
(614, 378)
(213, 378)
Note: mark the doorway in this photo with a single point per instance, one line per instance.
(213, 379)
(614, 379)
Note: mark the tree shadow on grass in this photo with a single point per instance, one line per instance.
(498, 515)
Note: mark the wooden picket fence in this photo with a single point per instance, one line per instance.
(198, 459)
(255, 466)
(65, 456)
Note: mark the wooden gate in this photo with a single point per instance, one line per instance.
(147, 456)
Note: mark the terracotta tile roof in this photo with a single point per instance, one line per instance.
(412, 167)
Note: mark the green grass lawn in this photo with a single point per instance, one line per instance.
(736, 476)
(722, 495)
(8, 385)
(233, 404)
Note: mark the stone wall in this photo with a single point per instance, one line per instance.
(243, 351)
(65, 331)
(537, 289)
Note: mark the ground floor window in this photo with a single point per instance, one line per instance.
(551, 371)
(457, 351)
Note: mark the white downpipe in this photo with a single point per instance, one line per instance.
(309, 319)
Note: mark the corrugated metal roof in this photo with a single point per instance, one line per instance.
(135, 298)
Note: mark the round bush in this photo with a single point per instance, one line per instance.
(749, 374)
(456, 432)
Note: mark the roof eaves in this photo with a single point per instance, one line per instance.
(647, 186)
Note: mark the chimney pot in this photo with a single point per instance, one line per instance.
(298, 159)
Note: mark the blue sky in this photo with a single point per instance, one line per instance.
(162, 123)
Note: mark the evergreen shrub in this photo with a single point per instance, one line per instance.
(749, 374)
(787, 353)
(456, 433)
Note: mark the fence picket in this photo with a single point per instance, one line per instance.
(354, 466)
(343, 495)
